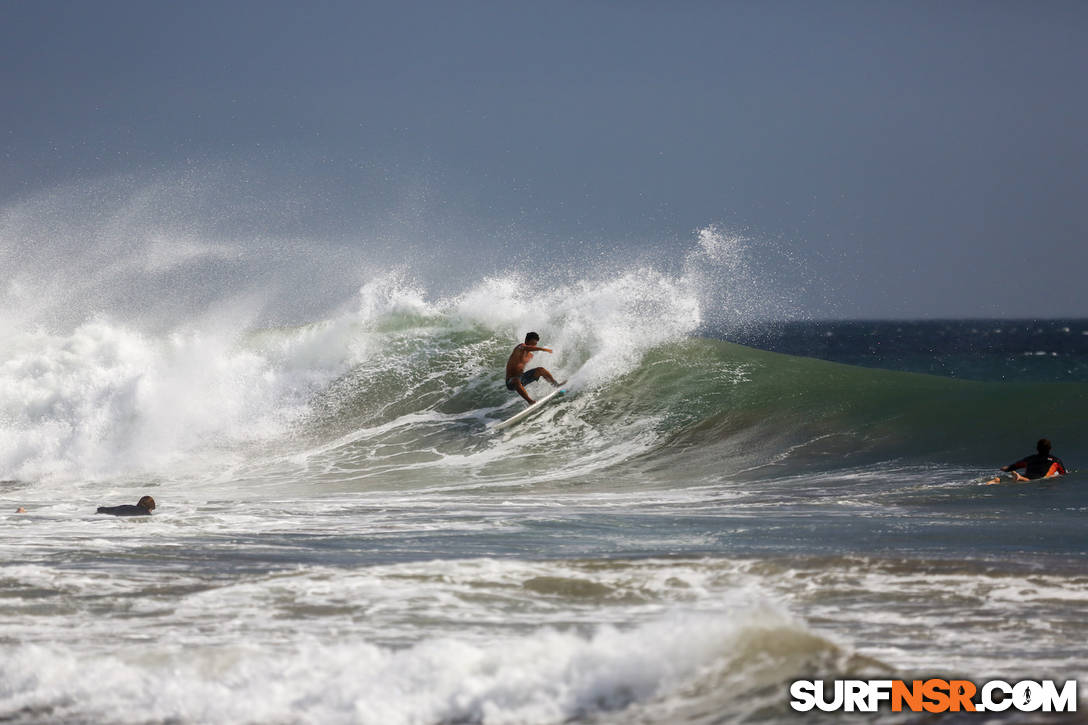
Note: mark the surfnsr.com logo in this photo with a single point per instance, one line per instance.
(933, 695)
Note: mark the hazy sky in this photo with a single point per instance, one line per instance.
(904, 159)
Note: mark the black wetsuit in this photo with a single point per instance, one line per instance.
(1037, 465)
(126, 510)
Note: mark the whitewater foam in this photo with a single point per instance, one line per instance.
(545, 676)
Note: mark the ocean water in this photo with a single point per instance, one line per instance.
(340, 539)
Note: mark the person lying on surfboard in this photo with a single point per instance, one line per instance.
(1040, 465)
(517, 377)
(143, 507)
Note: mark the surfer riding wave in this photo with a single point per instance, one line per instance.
(517, 377)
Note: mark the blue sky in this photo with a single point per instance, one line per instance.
(901, 159)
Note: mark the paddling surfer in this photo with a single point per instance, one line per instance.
(517, 377)
(143, 507)
(1040, 465)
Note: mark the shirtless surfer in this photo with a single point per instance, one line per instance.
(517, 377)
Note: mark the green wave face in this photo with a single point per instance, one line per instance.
(691, 411)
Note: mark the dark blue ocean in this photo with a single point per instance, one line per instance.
(1039, 351)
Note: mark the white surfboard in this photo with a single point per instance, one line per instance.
(534, 408)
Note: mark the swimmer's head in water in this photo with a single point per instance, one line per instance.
(146, 502)
(1043, 446)
(532, 338)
